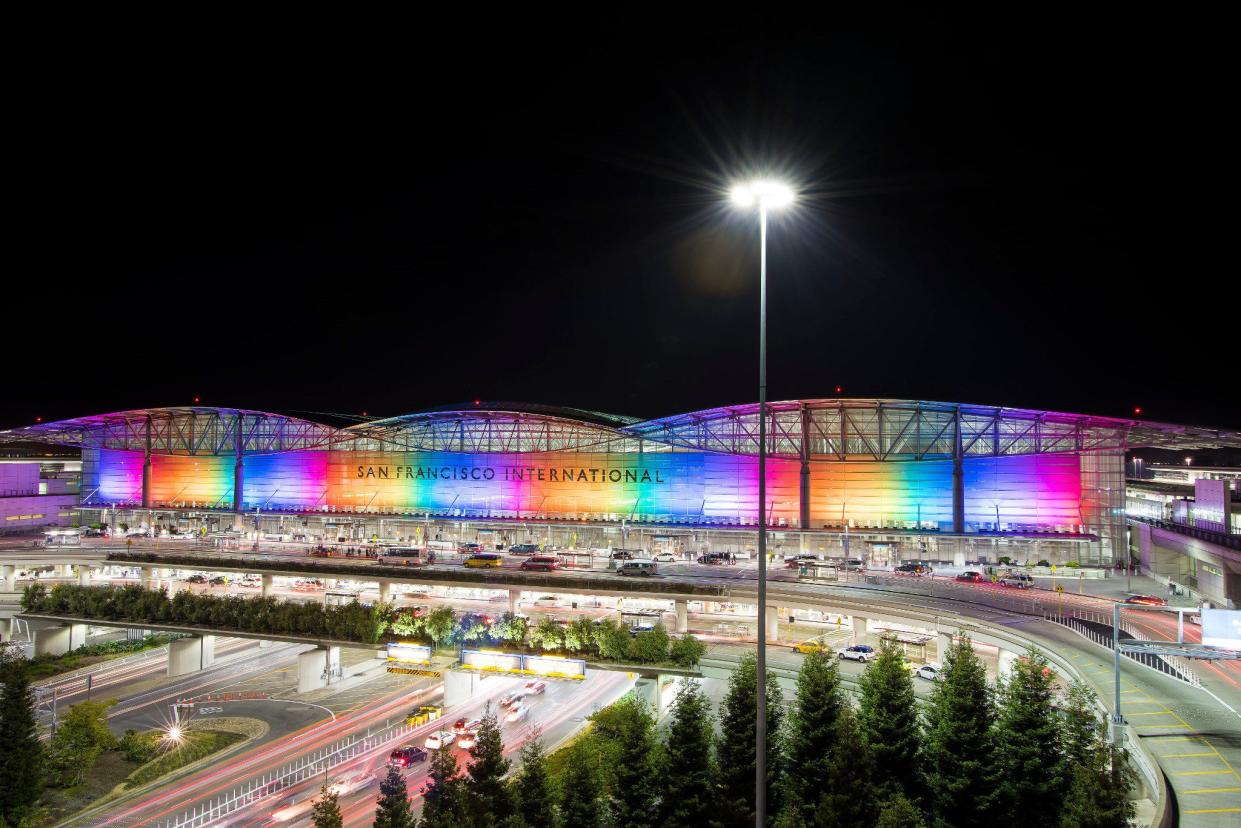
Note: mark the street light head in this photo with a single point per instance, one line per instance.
(768, 194)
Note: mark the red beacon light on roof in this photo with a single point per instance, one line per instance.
(1137, 410)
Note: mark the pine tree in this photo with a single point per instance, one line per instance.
(21, 753)
(443, 804)
(579, 795)
(1032, 774)
(634, 789)
(532, 789)
(848, 799)
(899, 812)
(811, 733)
(738, 715)
(326, 810)
(392, 810)
(687, 780)
(487, 796)
(1100, 775)
(889, 723)
(957, 746)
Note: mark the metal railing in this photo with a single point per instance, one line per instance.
(1098, 628)
(277, 781)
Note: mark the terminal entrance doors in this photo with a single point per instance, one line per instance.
(881, 554)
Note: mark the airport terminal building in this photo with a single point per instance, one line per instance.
(884, 480)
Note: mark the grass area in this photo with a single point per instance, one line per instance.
(195, 745)
(109, 771)
(45, 666)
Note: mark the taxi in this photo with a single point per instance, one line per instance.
(481, 560)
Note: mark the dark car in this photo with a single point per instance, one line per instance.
(712, 558)
(913, 569)
(196, 579)
(622, 555)
(971, 577)
(524, 549)
(407, 756)
(1146, 600)
(546, 563)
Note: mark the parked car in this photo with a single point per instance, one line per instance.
(439, 739)
(930, 672)
(642, 568)
(914, 569)
(482, 560)
(407, 756)
(219, 580)
(853, 563)
(971, 577)
(858, 652)
(713, 558)
(544, 563)
(1146, 600)
(1019, 580)
(664, 557)
(524, 549)
(469, 548)
(622, 555)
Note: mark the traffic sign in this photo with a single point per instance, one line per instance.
(1059, 587)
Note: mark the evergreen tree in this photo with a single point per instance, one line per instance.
(687, 780)
(392, 810)
(738, 715)
(889, 723)
(488, 798)
(579, 794)
(1080, 725)
(899, 812)
(80, 738)
(1100, 778)
(21, 753)
(634, 784)
(811, 733)
(326, 810)
(444, 802)
(532, 790)
(1032, 775)
(848, 799)
(957, 746)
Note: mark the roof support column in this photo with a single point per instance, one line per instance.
(146, 467)
(804, 488)
(239, 465)
(958, 477)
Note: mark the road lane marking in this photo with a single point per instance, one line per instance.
(1216, 811)
(1183, 755)
(1212, 790)
(1202, 773)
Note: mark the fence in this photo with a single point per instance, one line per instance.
(1098, 628)
(295, 772)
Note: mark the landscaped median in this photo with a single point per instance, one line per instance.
(47, 665)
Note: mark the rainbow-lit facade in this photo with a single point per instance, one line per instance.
(881, 465)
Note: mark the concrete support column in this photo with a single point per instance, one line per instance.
(266, 589)
(943, 642)
(7, 628)
(189, 655)
(647, 690)
(682, 610)
(771, 623)
(860, 628)
(318, 668)
(514, 596)
(1007, 660)
(59, 639)
(958, 478)
(9, 573)
(83, 575)
(385, 591)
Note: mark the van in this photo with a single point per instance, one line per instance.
(638, 568)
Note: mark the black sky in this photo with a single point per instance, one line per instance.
(386, 217)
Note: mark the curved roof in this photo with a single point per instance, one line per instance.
(825, 429)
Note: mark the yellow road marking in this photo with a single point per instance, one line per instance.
(1158, 713)
(1163, 740)
(1184, 755)
(1216, 811)
(1202, 773)
(1212, 790)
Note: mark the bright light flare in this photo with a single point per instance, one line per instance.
(769, 194)
(174, 734)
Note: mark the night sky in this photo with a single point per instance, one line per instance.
(385, 219)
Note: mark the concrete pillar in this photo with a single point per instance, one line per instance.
(385, 592)
(189, 655)
(647, 690)
(59, 639)
(860, 628)
(958, 557)
(7, 627)
(514, 596)
(329, 583)
(682, 610)
(266, 589)
(318, 668)
(9, 573)
(1007, 659)
(83, 575)
(943, 642)
(771, 623)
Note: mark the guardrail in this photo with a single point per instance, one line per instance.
(285, 777)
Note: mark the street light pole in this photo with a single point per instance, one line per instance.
(766, 194)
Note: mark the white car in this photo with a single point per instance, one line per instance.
(443, 738)
(930, 672)
(468, 740)
(858, 652)
(535, 688)
(664, 557)
(517, 713)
